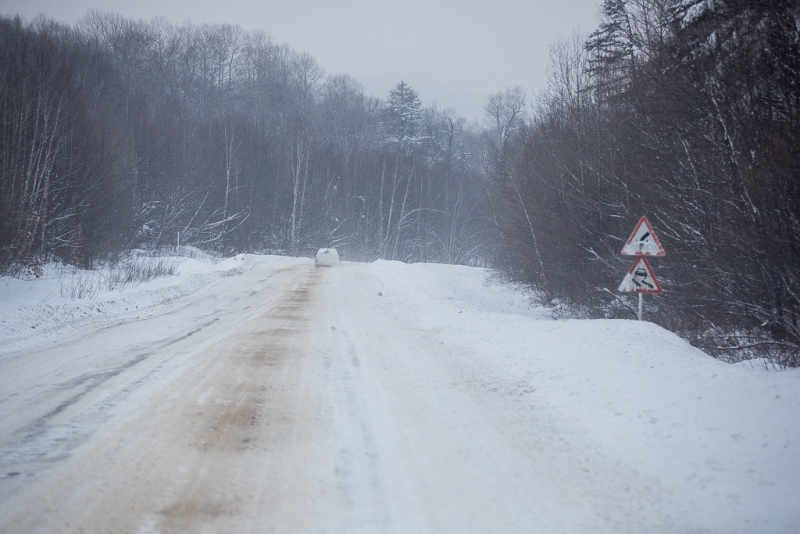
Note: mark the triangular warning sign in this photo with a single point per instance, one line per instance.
(640, 279)
(643, 241)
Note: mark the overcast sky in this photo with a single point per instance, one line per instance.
(452, 52)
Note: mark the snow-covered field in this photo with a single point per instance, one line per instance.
(257, 394)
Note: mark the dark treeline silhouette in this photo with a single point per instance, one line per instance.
(687, 112)
(119, 134)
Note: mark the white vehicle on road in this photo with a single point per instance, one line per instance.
(326, 257)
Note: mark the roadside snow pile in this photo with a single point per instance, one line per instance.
(66, 298)
(723, 437)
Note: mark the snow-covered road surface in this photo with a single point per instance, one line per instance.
(387, 397)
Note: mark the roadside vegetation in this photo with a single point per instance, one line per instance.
(687, 112)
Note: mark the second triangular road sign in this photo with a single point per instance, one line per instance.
(640, 279)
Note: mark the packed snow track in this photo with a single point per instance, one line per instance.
(373, 398)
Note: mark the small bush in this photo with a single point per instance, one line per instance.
(133, 270)
(128, 271)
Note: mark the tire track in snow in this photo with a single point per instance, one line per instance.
(40, 441)
(357, 464)
(71, 421)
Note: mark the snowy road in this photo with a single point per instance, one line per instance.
(289, 399)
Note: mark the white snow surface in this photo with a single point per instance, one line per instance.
(432, 398)
(32, 309)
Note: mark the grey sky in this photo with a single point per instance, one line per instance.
(455, 53)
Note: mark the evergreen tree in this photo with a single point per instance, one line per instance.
(611, 46)
(404, 110)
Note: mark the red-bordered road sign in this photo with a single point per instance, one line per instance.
(640, 279)
(643, 241)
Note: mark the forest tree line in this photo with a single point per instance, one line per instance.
(687, 112)
(119, 134)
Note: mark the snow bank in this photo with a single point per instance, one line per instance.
(66, 299)
(724, 437)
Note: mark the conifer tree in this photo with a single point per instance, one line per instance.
(404, 110)
(612, 46)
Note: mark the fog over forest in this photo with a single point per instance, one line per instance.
(120, 135)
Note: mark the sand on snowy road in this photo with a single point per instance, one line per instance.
(212, 447)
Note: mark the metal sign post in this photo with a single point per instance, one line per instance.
(641, 278)
(640, 305)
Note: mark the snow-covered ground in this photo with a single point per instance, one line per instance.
(257, 394)
(65, 298)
